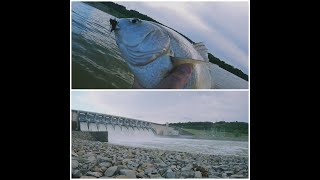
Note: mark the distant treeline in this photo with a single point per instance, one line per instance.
(120, 11)
(227, 67)
(239, 127)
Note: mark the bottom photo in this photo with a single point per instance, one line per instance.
(159, 134)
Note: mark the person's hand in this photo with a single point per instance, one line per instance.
(176, 79)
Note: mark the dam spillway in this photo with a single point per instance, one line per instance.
(117, 128)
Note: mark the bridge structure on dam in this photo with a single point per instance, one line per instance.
(117, 126)
(91, 121)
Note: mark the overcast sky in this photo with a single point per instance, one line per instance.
(166, 106)
(222, 26)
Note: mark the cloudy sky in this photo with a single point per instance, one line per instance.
(166, 106)
(222, 26)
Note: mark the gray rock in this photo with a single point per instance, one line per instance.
(87, 177)
(236, 176)
(121, 177)
(178, 157)
(85, 166)
(103, 168)
(131, 174)
(224, 175)
(74, 154)
(155, 176)
(128, 173)
(80, 153)
(105, 159)
(187, 168)
(84, 171)
(187, 174)
(130, 162)
(162, 165)
(229, 173)
(124, 171)
(96, 169)
(135, 165)
(216, 168)
(75, 164)
(148, 171)
(121, 167)
(92, 159)
(140, 175)
(170, 174)
(111, 171)
(95, 174)
(76, 173)
(213, 176)
(154, 171)
(106, 177)
(105, 164)
(224, 167)
(197, 174)
(158, 161)
(147, 165)
(92, 165)
(118, 163)
(162, 172)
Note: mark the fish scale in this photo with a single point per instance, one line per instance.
(136, 40)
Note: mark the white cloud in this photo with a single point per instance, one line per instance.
(161, 107)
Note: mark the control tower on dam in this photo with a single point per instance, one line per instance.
(117, 126)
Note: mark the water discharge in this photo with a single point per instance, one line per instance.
(84, 126)
(102, 127)
(93, 127)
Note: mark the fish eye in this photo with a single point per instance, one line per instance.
(135, 20)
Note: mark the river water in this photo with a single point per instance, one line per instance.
(215, 147)
(96, 60)
(147, 139)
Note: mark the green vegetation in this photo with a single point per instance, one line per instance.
(120, 11)
(220, 129)
(227, 67)
(217, 135)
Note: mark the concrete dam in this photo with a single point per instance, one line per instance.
(117, 128)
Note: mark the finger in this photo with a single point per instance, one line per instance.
(178, 77)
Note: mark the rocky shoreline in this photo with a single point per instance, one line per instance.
(94, 159)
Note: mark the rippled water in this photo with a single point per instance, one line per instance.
(215, 147)
(96, 60)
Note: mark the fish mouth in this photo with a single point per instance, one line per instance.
(137, 57)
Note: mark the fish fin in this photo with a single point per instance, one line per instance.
(202, 49)
(178, 61)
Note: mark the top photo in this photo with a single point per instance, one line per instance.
(160, 45)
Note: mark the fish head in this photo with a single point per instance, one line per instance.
(141, 42)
